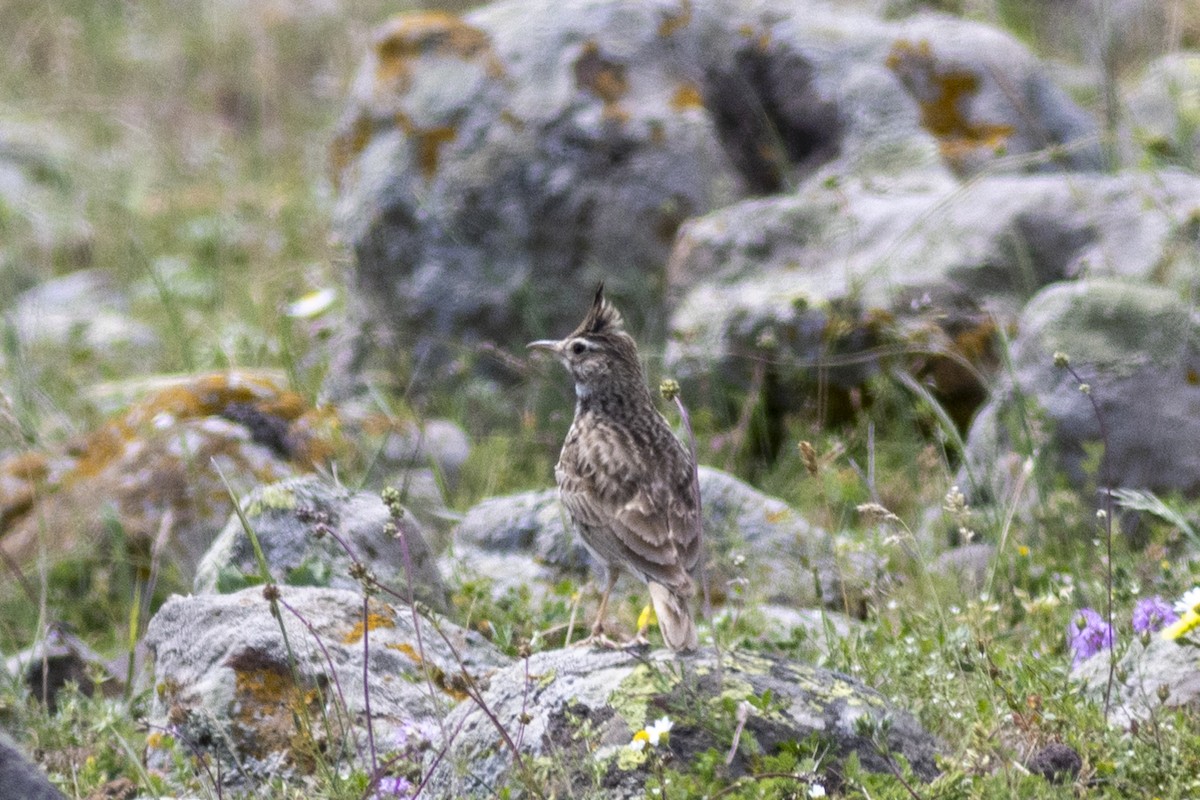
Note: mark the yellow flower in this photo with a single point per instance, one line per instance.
(646, 618)
(1023, 551)
(1184, 625)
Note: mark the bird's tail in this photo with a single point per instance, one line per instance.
(674, 617)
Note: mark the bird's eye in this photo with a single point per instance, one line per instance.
(578, 348)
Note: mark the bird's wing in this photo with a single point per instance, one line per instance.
(649, 508)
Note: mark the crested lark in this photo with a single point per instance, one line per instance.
(627, 482)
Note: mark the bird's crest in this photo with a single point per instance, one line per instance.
(601, 318)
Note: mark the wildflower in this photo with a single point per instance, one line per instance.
(652, 735)
(1088, 634)
(816, 790)
(313, 304)
(393, 787)
(1151, 614)
(1189, 602)
(1188, 607)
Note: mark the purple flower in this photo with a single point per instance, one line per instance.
(1152, 614)
(1088, 634)
(390, 788)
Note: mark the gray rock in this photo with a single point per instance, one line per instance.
(837, 270)
(20, 778)
(490, 171)
(286, 518)
(1164, 110)
(1163, 665)
(61, 657)
(83, 310)
(1129, 343)
(582, 709)
(229, 683)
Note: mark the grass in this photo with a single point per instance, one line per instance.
(187, 162)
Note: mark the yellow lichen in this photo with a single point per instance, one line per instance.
(408, 650)
(374, 622)
(943, 96)
(677, 20)
(407, 36)
(687, 96)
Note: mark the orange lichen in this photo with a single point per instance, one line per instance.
(374, 622)
(408, 650)
(429, 144)
(943, 96)
(407, 36)
(347, 145)
(672, 22)
(602, 77)
(687, 96)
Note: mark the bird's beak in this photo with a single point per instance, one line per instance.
(550, 345)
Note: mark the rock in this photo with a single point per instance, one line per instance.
(491, 171)
(1127, 342)
(311, 533)
(970, 564)
(838, 272)
(20, 778)
(156, 475)
(45, 222)
(582, 708)
(1056, 762)
(83, 311)
(1164, 110)
(225, 682)
(782, 625)
(1163, 674)
(46, 667)
(751, 539)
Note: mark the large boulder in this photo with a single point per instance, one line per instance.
(157, 479)
(1137, 349)
(311, 533)
(572, 715)
(836, 276)
(492, 167)
(262, 693)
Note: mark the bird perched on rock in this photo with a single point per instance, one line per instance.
(627, 482)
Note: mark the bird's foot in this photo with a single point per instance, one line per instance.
(598, 641)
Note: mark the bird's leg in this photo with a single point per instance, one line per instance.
(597, 637)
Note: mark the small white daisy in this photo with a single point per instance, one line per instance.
(659, 729)
(1189, 602)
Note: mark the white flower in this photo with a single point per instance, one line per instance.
(313, 304)
(659, 729)
(816, 790)
(639, 743)
(1189, 602)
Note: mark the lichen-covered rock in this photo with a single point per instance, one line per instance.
(157, 473)
(572, 714)
(229, 681)
(1163, 674)
(839, 272)
(1137, 348)
(311, 533)
(493, 166)
(755, 546)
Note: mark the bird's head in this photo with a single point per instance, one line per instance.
(599, 354)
